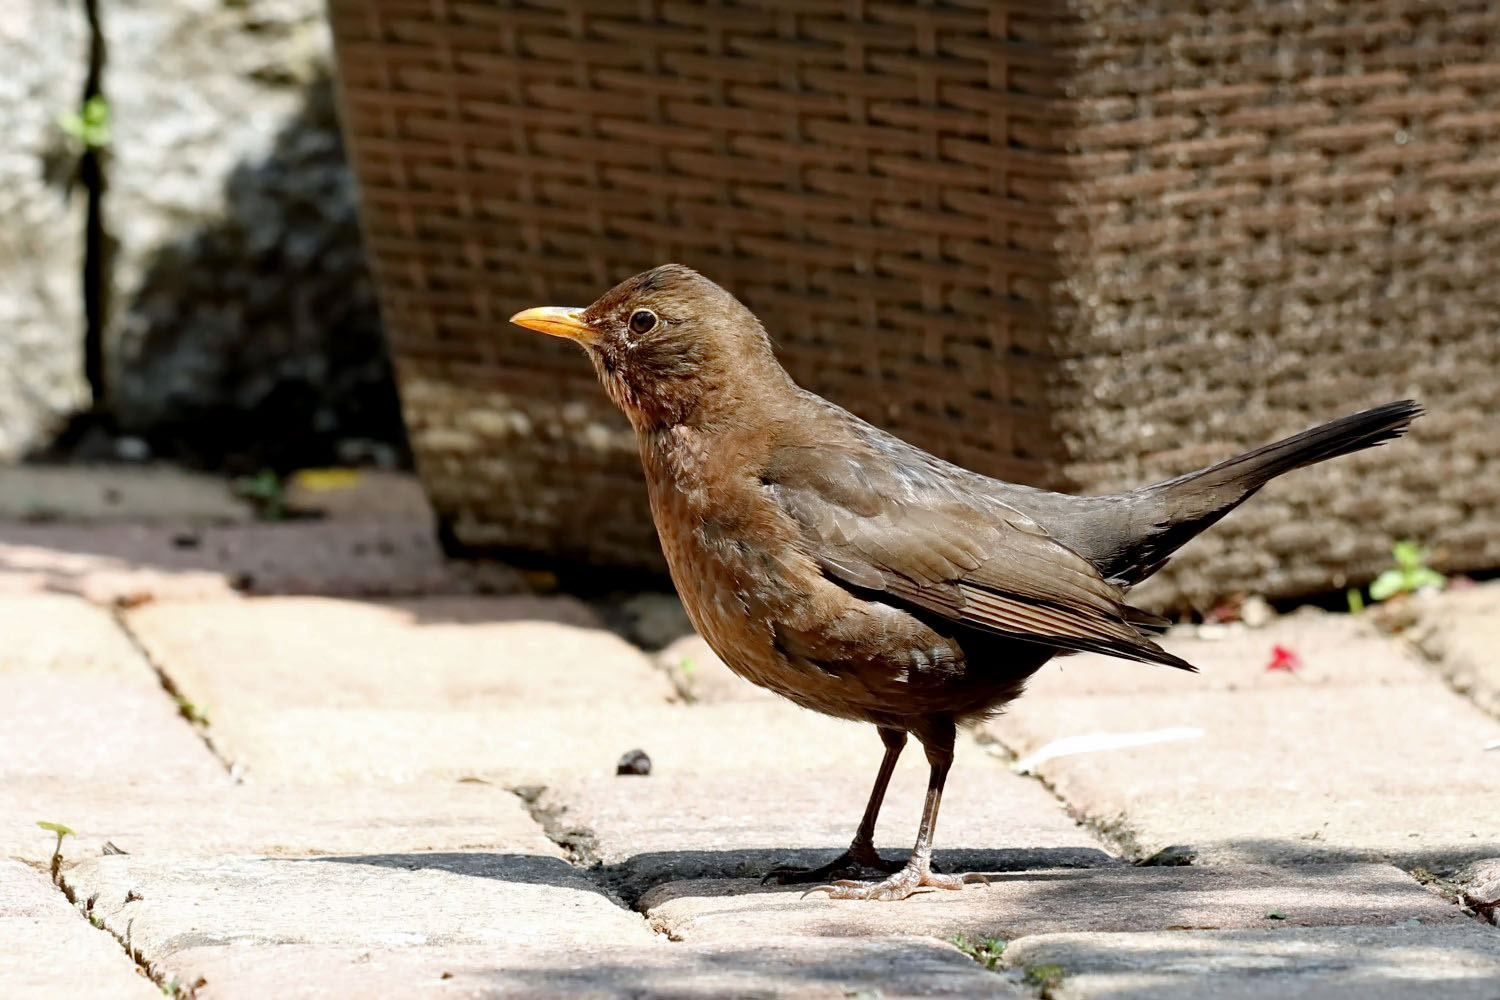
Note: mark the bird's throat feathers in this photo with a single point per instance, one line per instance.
(672, 347)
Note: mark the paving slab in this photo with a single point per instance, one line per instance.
(81, 703)
(805, 969)
(56, 635)
(425, 654)
(117, 493)
(365, 901)
(1479, 885)
(1014, 904)
(700, 676)
(99, 729)
(171, 820)
(49, 950)
(1332, 651)
(1459, 631)
(302, 690)
(1368, 963)
(533, 745)
(135, 563)
(358, 494)
(1392, 772)
(658, 829)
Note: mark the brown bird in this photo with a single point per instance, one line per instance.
(859, 576)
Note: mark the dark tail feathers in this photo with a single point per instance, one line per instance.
(1180, 508)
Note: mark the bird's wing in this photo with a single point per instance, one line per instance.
(898, 525)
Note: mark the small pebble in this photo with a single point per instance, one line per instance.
(634, 762)
(132, 449)
(1256, 611)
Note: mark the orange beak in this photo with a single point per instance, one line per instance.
(559, 321)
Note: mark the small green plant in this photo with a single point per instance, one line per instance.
(266, 492)
(62, 831)
(1045, 977)
(986, 951)
(189, 711)
(1410, 574)
(89, 125)
(686, 669)
(1275, 915)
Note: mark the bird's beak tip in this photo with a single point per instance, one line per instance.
(559, 321)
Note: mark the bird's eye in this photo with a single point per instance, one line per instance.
(642, 321)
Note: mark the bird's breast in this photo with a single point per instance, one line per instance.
(733, 557)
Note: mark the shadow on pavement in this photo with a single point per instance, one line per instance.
(527, 869)
(740, 871)
(1069, 873)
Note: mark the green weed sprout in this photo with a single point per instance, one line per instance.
(62, 831)
(89, 125)
(986, 951)
(1410, 574)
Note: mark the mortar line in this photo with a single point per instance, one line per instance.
(142, 965)
(1433, 664)
(578, 845)
(1131, 852)
(1123, 845)
(173, 691)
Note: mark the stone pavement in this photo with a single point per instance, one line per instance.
(397, 779)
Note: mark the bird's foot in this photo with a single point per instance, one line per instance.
(914, 875)
(852, 862)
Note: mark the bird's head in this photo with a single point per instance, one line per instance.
(669, 345)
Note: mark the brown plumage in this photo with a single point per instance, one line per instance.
(862, 577)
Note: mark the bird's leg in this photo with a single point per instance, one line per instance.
(861, 853)
(917, 873)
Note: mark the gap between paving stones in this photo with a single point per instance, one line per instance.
(599, 827)
(186, 991)
(1449, 660)
(1438, 660)
(1119, 841)
(36, 914)
(142, 965)
(1118, 838)
(1118, 833)
(185, 708)
(579, 848)
(579, 845)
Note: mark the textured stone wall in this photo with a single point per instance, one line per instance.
(242, 317)
(238, 322)
(43, 49)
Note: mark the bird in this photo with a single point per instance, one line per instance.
(859, 576)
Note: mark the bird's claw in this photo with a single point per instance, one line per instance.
(906, 882)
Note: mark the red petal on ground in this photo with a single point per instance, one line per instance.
(1284, 659)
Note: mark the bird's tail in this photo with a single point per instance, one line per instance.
(1180, 508)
